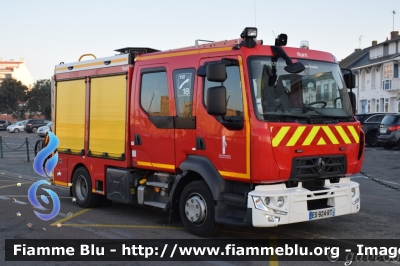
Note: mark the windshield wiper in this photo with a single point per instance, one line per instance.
(335, 117)
(307, 108)
(285, 116)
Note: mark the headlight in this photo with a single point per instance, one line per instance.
(353, 192)
(280, 202)
(260, 205)
(267, 200)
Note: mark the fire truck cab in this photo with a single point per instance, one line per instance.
(232, 132)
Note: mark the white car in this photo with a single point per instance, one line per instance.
(43, 130)
(16, 127)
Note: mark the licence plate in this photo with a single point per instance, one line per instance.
(382, 130)
(320, 214)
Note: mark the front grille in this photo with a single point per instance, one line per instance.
(305, 168)
(314, 184)
(317, 204)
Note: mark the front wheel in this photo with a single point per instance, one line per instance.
(16, 130)
(196, 208)
(82, 189)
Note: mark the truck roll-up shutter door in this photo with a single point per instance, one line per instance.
(70, 115)
(107, 116)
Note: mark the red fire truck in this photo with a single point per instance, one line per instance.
(232, 132)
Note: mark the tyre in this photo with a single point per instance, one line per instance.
(387, 146)
(34, 130)
(38, 146)
(196, 208)
(372, 139)
(82, 189)
(16, 130)
(398, 144)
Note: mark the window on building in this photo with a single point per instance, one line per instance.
(373, 78)
(7, 76)
(183, 87)
(388, 71)
(233, 91)
(363, 105)
(363, 80)
(154, 97)
(396, 71)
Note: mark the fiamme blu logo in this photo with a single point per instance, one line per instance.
(44, 163)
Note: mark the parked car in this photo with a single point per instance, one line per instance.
(4, 124)
(370, 125)
(16, 127)
(32, 125)
(389, 131)
(43, 130)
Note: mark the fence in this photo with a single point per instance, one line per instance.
(38, 146)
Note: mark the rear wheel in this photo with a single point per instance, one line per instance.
(82, 189)
(387, 146)
(372, 139)
(16, 130)
(196, 208)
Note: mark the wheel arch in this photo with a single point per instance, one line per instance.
(201, 168)
(76, 167)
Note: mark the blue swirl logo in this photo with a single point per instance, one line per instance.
(32, 198)
(46, 160)
(44, 163)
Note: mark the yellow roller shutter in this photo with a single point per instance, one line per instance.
(70, 115)
(107, 116)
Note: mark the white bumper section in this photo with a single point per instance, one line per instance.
(300, 204)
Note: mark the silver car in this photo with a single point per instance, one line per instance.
(43, 130)
(16, 127)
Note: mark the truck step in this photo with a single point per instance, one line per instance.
(228, 219)
(234, 197)
(156, 204)
(157, 184)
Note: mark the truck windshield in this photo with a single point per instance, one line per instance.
(317, 92)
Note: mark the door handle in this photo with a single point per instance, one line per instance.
(200, 143)
(138, 139)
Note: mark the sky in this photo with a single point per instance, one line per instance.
(46, 32)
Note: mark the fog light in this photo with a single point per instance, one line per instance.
(272, 219)
(353, 192)
(280, 202)
(356, 201)
(267, 200)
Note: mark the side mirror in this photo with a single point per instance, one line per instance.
(216, 72)
(350, 80)
(216, 101)
(295, 68)
(353, 101)
(201, 71)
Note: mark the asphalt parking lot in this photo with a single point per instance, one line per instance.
(377, 219)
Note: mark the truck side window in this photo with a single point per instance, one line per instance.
(154, 97)
(183, 89)
(233, 91)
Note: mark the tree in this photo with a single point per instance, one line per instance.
(39, 98)
(12, 93)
